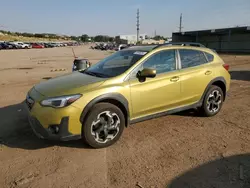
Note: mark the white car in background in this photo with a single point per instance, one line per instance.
(21, 45)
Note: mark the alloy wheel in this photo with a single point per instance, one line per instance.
(214, 101)
(106, 127)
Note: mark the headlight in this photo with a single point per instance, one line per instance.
(59, 102)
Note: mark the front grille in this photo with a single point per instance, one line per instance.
(30, 102)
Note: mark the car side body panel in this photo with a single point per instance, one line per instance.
(141, 100)
(155, 94)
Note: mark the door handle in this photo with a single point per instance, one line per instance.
(174, 79)
(208, 72)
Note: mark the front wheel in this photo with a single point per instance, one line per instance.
(213, 101)
(103, 126)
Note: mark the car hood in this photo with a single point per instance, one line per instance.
(72, 83)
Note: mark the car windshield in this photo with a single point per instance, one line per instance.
(115, 64)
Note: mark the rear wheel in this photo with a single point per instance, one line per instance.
(213, 101)
(103, 126)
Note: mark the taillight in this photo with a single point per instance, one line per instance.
(226, 66)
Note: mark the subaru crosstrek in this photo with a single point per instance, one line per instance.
(132, 85)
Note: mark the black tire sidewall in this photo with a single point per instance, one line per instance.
(91, 116)
(204, 106)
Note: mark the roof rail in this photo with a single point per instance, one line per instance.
(181, 44)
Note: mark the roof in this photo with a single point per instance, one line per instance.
(174, 44)
(222, 31)
(146, 48)
(183, 44)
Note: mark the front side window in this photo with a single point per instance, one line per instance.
(115, 64)
(191, 58)
(162, 62)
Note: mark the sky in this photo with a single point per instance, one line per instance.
(116, 17)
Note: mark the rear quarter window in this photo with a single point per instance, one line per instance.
(210, 57)
(191, 58)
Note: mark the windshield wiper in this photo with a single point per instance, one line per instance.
(89, 73)
(97, 74)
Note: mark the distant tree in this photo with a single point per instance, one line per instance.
(111, 39)
(74, 38)
(98, 38)
(84, 38)
(38, 35)
(28, 34)
(158, 37)
(92, 39)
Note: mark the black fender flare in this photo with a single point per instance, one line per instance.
(208, 86)
(109, 96)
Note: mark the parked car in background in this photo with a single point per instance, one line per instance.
(17, 45)
(56, 44)
(48, 45)
(53, 45)
(37, 45)
(11, 46)
(24, 45)
(4, 46)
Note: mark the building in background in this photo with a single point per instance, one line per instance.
(132, 39)
(152, 41)
(236, 39)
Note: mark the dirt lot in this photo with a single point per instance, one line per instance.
(181, 150)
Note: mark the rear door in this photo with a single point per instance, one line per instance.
(195, 75)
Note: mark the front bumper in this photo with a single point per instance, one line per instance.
(63, 134)
(50, 123)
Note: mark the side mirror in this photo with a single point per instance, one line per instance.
(146, 73)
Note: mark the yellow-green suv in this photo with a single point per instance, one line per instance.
(131, 85)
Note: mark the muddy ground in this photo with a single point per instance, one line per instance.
(180, 150)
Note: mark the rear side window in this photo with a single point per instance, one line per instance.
(210, 57)
(191, 58)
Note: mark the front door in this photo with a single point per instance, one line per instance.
(157, 94)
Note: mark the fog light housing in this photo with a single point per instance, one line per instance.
(54, 129)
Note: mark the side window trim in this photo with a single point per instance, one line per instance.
(178, 59)
(205, 56)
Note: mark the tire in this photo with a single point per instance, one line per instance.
(212, 105)
(91, 126)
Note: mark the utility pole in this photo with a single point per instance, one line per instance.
(138, 24)
(180, 27)
(155, 33)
